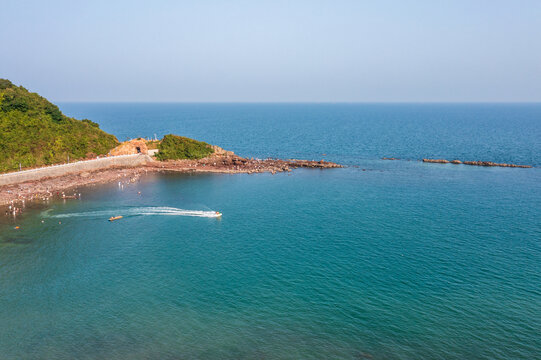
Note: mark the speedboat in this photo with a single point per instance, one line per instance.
(113, 218)
(218, 214)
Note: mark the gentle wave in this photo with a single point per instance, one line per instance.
(139, 211)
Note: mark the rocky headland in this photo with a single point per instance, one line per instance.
(227, 162)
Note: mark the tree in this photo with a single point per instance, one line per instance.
(54, 112)
(5, 83)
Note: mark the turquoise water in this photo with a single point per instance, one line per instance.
(381, 260)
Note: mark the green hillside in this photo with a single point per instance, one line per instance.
(173, 147)
(34, 132)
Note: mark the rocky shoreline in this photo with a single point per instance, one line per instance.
(236, 164)
(220, 162)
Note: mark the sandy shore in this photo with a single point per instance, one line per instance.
(65, 186)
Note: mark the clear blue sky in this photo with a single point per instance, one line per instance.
(320, 51)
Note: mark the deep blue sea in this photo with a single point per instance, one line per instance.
(378, 260)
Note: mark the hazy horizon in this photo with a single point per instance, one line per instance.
(299, 102)
(275, 52)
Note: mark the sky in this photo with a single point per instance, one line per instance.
(274, 51)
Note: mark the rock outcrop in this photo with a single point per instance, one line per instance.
(439, 161)
(218, 151)
(225, 162)
(490, 163)
(475, 163)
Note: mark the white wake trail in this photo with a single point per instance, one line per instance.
(139, 211)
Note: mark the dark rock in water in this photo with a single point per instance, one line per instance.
(387, 158)
(474, 163)
(490, 163)
(17, 241)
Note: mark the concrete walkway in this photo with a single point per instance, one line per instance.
(73, 168)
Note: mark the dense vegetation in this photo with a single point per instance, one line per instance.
(173, 147)
(34, 132)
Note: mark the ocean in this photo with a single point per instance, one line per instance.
(378, 260)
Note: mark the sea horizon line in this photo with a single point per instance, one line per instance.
(304, 102)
